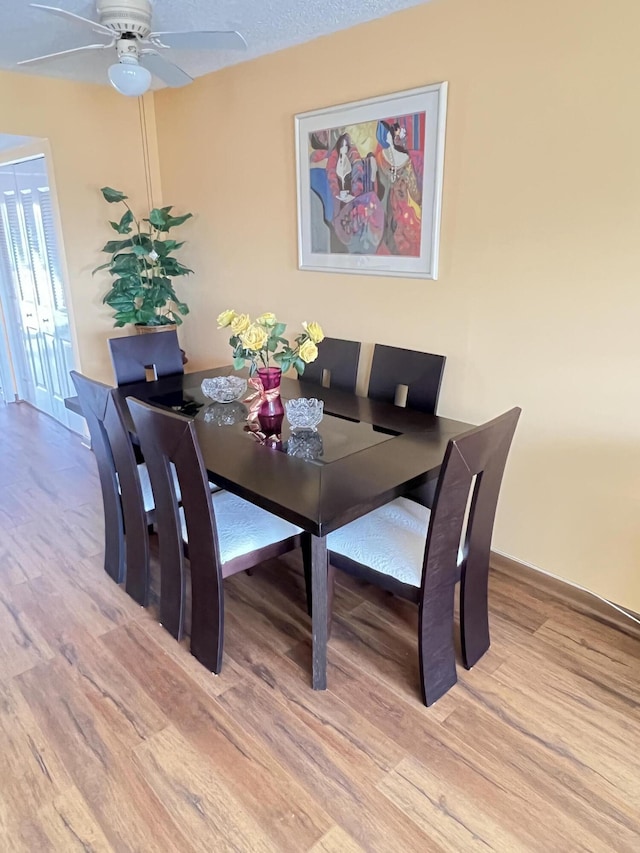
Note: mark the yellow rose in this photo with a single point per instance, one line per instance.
(267, 319)
(308, 351)
(226, 318)
(254, 338)
(240, 323)
(314, 331)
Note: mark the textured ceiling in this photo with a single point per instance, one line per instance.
(267, 25)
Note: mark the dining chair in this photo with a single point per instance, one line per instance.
(126, 489)
(336, 365)
(132, 356)
(220, 534)
(421, 554)
(418, 374)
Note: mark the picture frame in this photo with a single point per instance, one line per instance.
(369, 180)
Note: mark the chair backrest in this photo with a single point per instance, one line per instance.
(420, 372)
(167, 438)
(467, 491)
(120, 484)
(340, 361)
(132, 356)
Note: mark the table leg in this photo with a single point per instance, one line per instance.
(319, 618)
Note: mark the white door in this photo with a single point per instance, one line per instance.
(35, 306)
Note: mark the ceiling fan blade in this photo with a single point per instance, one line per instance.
(165, 70)
(62, 13)
(63, 53)
(203, 40)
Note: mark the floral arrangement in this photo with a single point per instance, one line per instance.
(260, 341)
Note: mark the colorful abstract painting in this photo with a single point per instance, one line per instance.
(368, 180)
(369, 186)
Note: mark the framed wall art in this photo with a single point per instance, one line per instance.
(370, 184)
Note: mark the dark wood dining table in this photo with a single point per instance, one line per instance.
(363, 454)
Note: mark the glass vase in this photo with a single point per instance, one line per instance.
(271, 411)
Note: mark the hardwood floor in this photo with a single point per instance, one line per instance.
(113, 738)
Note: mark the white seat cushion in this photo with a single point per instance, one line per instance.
(147, 491)
(243, 527)
(390, 540)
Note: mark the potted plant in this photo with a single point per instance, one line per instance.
(143, 265)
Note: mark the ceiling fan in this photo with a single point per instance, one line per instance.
(127, 25)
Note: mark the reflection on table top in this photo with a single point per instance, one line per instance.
(336, 436)
(371, 452)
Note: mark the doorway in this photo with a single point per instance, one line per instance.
(32, 291)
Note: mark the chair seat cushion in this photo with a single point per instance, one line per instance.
(147, 491)
(243, 527)
(390, 540)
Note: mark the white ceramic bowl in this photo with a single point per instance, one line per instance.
(224, 389)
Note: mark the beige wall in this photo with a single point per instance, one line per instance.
(95, 139)
(538, 298)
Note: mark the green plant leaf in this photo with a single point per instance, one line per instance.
(142, 240)
(238, 362)
(101, 267)
(112, 195)
(122, 263)
(172, 267)
(145, 316)
(120, 301)
(163, 247)
(124, 226)
(183, 308)
(127, 283)
(299, 366)
(158, 218)
(174, 221)
(125, 316)
(116, 246)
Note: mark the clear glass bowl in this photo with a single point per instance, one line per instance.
(224, 389)
(304, 412)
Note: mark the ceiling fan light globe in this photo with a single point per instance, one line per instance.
(129, 78)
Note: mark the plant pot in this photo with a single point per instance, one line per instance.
(147, 330)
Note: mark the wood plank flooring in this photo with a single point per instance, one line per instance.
(113, 738)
